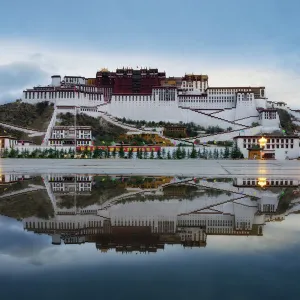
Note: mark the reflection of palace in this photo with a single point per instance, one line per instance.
(144, 215)
(12, 178)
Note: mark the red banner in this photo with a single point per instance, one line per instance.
(125, 148)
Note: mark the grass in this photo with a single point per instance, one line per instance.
(36, 117)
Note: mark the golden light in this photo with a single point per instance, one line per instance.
(262, 142)
(262, 182)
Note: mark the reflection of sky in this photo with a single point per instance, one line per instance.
(266, 265)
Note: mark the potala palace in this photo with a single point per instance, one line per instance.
(147, 94)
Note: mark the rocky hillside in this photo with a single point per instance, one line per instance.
(26, 115)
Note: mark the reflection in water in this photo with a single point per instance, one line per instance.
(145, 213)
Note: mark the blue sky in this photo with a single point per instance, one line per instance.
(254, 41)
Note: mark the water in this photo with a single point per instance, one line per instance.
(69, 237)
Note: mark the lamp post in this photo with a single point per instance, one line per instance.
(262, 143)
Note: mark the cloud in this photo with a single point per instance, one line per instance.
(37, 61)
(18, 75)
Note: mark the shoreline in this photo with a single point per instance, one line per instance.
(188, 168)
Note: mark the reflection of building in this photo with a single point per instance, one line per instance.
(71, 183)
(147, 224)
(12, 178)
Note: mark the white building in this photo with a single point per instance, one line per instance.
(7, 142)
(270, 147)
(65, 136)
(181, 99)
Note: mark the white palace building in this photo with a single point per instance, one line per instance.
(147, 94)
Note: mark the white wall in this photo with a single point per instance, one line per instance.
(280, 153)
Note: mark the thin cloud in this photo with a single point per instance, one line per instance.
(281, 83)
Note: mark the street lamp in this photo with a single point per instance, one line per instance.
(262, 142)
(262, 182)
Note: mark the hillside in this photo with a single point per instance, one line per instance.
(26, 115)
(100, 130)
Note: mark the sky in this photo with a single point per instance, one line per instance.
(228, 267)
(235, 42)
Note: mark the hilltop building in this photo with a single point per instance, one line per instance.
(148, 94)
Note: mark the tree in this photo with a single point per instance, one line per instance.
(138, 153)
(199, 153)
(114, 154)
(152, 154)
(204, 153)
(188, 154)
(174, 154)
(183, 153)
(216, 153)
(221, 154)
(121, 152)
(5, 153)
(145, 154)
(163, 153)
(169, 155)
(236, 152)
(158, 155)
(108, 153)
(226, 153)
(210, 155)
(178, 153)
(130, 153)
(194, 152)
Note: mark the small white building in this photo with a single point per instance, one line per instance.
(65, 136)
(269, 118)
(269, 147)
(7, 142)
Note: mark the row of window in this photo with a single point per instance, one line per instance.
(269, 182)
(62, 95)
(276, 146)
(269, 140)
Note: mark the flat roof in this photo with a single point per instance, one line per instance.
(266, 136)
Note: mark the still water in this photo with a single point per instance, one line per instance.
(75, 236)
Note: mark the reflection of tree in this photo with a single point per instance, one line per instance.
(178, 192)
(36, 203)
(103, 189)
(285, 198)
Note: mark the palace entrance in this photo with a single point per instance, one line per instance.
(254, 154)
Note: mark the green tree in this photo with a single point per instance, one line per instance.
(163, 153)
(210, 155)
(188, 154)
(174, 154)
(183, 153)
(121, 152)
(138, 153)
(178, 153)
(152, 154)
(221, 154)
(194, 152)
(199, 153)
(169, 155)
(236, 152)
(130, 153)
(216, 153)
(114, 154)
(158, 155)
(145, 156)
(226, 153)
(5, 153)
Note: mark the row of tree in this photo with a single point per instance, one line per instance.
(176, 153)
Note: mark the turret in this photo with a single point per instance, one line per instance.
(56, 240)
(56, 79)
